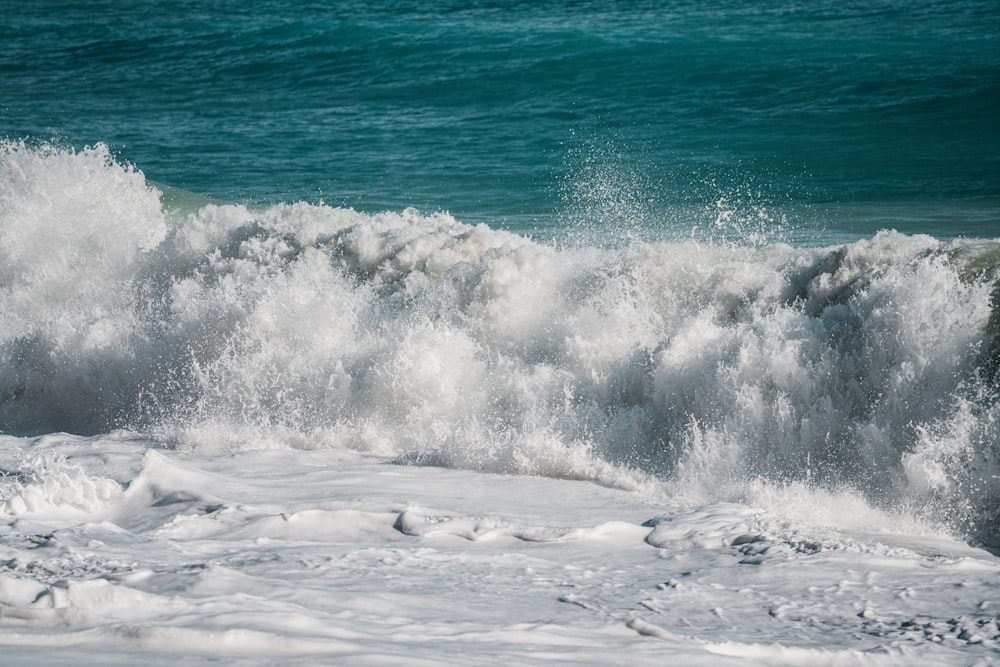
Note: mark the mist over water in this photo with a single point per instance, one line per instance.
(867, 369)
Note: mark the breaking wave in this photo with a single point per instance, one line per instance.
(871, 367)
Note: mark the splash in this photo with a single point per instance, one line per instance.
(863, 369)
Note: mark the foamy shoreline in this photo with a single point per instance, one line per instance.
(329, 557)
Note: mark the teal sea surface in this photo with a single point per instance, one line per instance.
(827, 119)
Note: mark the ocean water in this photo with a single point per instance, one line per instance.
(829, 119)
(716, 283)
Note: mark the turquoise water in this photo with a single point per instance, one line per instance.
(806, 121)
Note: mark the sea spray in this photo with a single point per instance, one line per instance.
(73, 229)
(45, 483)
(862, 368)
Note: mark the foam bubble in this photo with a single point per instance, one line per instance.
(48, 486)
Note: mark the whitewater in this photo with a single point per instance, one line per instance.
(307, 434)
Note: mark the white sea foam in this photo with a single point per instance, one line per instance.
(327, 556)
(865, 369)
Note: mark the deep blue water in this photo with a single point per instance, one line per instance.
(821, 117)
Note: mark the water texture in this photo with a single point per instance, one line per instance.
(833, 118)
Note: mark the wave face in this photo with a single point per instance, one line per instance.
(870, 367)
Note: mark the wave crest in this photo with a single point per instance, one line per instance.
(864, 366)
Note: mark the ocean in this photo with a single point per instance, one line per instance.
(503, 332)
